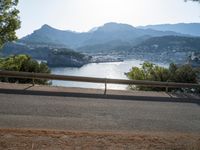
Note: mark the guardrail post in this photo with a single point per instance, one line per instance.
(33, 81)
(166, 89)
(105, 87)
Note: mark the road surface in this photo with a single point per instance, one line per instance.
(40, 107)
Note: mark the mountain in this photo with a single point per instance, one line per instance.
(113, 33)
(49, 36)
(113, 41)
(183, 28)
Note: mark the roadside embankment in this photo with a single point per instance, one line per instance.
(17, 139)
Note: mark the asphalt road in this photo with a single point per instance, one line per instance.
(93, 112)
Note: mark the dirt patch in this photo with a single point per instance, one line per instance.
(24, 139)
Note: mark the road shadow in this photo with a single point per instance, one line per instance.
(180, 99)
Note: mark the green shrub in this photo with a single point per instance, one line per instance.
(23, 63)
(152, 72)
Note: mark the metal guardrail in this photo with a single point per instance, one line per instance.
(33, 76)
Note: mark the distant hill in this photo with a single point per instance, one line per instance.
(110, 46)
(172, 42)
(109, 33)
(55, 57)
(166, 49)
(183, 28)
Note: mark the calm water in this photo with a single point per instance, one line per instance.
(103, 70)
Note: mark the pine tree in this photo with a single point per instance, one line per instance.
(9, 21)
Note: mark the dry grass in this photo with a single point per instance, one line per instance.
(24, 139)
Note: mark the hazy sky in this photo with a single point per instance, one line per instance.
(82, 15)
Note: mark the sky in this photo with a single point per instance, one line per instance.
(82, 15)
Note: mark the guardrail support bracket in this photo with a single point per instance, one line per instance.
(105, 87)
(33, 82)
(166, 90)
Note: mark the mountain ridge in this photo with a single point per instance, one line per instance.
(112, 39)
(104, 34)
(184, 28)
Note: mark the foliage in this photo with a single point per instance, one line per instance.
(152, 72)
(68, 52)
(23, 63)
(193, 0)
(184, 74)
(9, 21)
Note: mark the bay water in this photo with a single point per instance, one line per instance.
(113, 70)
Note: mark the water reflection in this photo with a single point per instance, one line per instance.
(114, 70)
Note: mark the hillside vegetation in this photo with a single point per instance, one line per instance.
(53, 56)
(166, 49)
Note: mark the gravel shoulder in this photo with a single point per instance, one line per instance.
(18, 139)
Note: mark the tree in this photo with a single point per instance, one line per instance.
(152, 72)
(185, 74)
(23, 63)
(9, 21)
(193, 0)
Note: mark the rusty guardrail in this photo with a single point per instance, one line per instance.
(105, 81)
